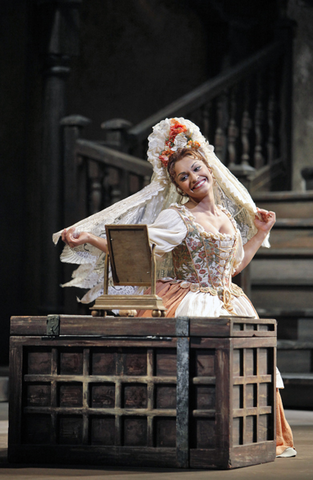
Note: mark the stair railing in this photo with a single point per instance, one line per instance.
(96, 175)
(245, 112)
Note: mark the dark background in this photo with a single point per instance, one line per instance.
(133, 58)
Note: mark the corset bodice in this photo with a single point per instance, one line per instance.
(205, 261)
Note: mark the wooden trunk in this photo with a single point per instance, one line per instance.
(184, 392)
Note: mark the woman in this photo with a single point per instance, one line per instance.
(200, 240)
(206, 244)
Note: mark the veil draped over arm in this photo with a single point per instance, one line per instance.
(144, 206)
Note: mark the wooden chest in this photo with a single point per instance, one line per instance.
(184, 392)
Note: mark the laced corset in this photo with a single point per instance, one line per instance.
(204, 261)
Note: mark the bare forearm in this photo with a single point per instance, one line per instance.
(73, 239)
(250, 249)
(263, 221)
(97, 242)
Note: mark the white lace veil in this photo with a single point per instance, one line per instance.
(144, 206)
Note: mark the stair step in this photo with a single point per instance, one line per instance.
(4, 389)
(285, 237)
(275, 296)
(291, 324)
(294, 356)
(297, 282)
(298, 391)
(287, 204)
(299, 378)
(294, 345)
(282, 281)
(282, 271)
(285, 252)
(305, 329)
(293, 223)
(290, 312)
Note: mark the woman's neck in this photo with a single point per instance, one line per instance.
(206, 204)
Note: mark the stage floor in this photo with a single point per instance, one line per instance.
(298, 468)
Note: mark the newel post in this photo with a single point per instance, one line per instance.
(74, 198)
(116, 133)
(74, 171)
(116, 136)
(286, 31)
(58, 22)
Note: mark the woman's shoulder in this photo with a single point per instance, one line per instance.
(168, 224)
(170, 216)
(181, 209)
(175, 206)
(172, 211)
(184, 213)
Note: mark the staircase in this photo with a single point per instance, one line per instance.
(246, 113)
(282, 288)
(4, 384)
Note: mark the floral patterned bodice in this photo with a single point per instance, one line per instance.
(204, 261)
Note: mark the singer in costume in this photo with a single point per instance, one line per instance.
(206, 229)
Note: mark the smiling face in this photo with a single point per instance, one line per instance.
(193, 177)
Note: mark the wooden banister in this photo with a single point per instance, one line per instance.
(243, 111)
(110, 157)
(209, 90)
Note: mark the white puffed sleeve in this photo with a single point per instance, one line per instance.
(167, 231)
(239, 254)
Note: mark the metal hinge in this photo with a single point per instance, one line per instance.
(53, 325)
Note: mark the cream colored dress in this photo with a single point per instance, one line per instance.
(204, 264)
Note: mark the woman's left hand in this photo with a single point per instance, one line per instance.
(73, 239)
(264, 220)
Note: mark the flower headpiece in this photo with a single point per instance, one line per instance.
(179, 137)
(167, 137)
(144, 206)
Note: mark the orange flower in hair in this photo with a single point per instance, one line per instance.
(176, 129)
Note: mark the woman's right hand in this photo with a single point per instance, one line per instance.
(73, 239)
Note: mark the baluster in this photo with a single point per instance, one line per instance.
(95, 186)
(74, 190)
(140, 182)
(112, 186)
(246, 126)
(74, 170)
(232, 130)
(116, 133)
(271, 110)
(115, 194)
(124, 181)
(258, 123)
(106, 200)
(219, 139)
